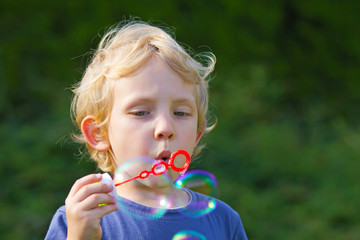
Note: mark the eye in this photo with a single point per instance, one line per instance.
(140, 113)
(181, 114)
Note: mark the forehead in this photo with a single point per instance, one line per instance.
(155, 80)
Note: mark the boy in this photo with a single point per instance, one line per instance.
(141, 95)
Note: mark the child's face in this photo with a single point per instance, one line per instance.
(154, 114)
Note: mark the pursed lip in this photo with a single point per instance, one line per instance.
(164, 155)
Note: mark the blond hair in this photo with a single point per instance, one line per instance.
(121, 52)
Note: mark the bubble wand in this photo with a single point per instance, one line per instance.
(163, 167)
(154, 170)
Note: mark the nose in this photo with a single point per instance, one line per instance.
(164, 128)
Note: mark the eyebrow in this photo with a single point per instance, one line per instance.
(184, 100)
(133, 101)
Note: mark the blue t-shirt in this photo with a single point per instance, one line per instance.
(203, 218)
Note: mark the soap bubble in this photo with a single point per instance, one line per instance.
(132, 169)
(139, 211)
(144, 170)
(199, 181)
(188, 235)
(199, 208)
(203, 182)
(141, 170)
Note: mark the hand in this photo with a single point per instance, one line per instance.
(82, 207)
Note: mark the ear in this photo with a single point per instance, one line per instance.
(201, 133)
(92, 134)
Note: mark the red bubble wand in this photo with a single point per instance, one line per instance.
(164, 165)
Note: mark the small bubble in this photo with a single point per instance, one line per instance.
(199, 181)
(188, 235)
(203, 182)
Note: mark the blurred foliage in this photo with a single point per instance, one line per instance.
(286, 95)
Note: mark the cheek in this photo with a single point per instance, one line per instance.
(189, 136)
(121, 127)
(128, 140)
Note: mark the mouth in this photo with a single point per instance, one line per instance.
(164, 156)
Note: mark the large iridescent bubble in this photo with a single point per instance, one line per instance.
(152, 174)
(140, 170)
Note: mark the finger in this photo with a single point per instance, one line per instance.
(101, 211)
(90, 189)
(92, 178)
(94, 200)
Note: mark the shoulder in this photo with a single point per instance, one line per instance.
(58, 225)
(60, 214)
(212, 204)
(61, 210)
(220, 214)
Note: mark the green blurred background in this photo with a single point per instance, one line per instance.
(286, 94)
